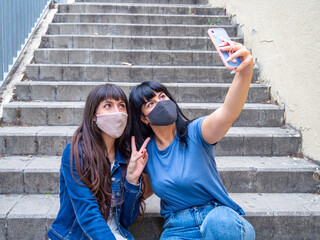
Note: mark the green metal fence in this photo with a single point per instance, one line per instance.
(18, 19)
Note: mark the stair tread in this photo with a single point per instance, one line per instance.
(131, 84)
(152, 25)
(126, 66)
(139, 14)
(139, 4)
(67, 130)
(266, 204)
(77, 104)
(130, 36)
(45, 164)
(254, 204)
(39, 174)
(124, 50)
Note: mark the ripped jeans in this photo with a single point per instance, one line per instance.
(209, 222)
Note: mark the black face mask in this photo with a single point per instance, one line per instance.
(164, 113)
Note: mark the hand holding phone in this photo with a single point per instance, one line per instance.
(220, 37)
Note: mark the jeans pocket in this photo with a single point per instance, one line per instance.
(167, 223)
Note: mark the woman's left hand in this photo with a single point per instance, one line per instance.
(239, 51)
(137, 162)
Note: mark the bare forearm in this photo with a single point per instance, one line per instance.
(217, 124)
(237, 94)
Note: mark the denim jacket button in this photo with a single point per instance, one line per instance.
(113, 179)
(118, 194)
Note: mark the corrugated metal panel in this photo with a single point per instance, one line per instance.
(18, 19)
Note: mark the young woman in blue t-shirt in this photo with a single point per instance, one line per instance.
(181, 166)
(100, 182)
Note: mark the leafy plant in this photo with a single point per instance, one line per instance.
(214, 21)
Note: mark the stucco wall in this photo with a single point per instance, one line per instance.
(284, 37)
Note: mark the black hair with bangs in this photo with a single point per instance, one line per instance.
(140, 95)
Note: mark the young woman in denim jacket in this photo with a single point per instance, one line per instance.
(99, 187)
(181, 165)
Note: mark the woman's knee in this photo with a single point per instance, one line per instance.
(249, 232)
(224, 223)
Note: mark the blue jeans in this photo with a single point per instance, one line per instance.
(209, 222)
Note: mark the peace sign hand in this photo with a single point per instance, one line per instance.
(137, 162)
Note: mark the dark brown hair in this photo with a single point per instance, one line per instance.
(140, 95)
(87, 144)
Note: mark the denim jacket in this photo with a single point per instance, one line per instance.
(79, 216)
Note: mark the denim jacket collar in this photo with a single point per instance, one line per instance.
(119, 158)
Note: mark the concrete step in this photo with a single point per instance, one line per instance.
(70, 113)
(29, 174)
(115, 29)
(274, 215)
(129, 42)
(269, 174)
(40, 174)
(239, 141)
(136, 8)
(141, 18)
(182, 92)
(135, 57)
(293, 216)
(149, 1)
(125, 73)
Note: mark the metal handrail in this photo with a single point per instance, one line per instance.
(18, 20)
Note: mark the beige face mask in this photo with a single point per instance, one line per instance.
(112, 124)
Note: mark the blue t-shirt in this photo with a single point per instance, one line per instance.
(186, 177)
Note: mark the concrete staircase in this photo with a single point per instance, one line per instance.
(166, 41)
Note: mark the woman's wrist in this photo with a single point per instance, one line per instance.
(246, 73)
(133, 180)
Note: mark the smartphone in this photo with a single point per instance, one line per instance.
(219, 35)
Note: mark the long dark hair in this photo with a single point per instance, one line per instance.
(87, 143)
(140, 95)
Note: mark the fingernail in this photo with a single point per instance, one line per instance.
(228, 59)
(233, 71)
(142, 152)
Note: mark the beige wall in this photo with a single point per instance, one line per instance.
(284, 37)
